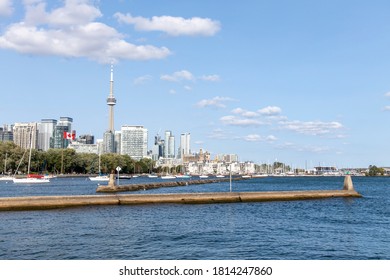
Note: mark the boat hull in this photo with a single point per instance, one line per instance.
(100, 178)
(30, 180)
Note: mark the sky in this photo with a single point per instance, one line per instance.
(302, 82)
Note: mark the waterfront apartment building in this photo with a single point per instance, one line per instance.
(26, 135)
(84, 148)
(226, 158)
(45, 134)
(134, 141)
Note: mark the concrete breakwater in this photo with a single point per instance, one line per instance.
(53, 202)
(112, 188)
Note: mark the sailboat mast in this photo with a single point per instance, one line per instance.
(29, 157)
(5, 163)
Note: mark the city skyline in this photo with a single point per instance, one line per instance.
(301, 83)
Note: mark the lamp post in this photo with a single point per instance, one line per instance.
(118, 169)
(230, 168)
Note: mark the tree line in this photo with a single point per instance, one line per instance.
(67, 161)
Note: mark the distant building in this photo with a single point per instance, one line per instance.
(158, 148)
(6, 134)
(86, 139)
(84, 148)
(84, 144)
(117, 142)
(45, 134)
(108, 142)
(134, 141)
(26, 135)
(197, 157)
(226, 158)
(184, 149)
(169, 145)
(326, 170)
(63, 125)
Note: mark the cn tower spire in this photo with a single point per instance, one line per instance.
(111, 101)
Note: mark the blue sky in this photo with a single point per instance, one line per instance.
(303, 82)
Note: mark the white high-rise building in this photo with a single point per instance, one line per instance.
(169, 145)
(185, 144)
(26, 135)
(45, 136)
(134, 141)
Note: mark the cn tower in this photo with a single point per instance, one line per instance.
(111, 101)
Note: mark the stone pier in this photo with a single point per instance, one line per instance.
(53, 202)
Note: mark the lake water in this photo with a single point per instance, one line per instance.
(337, 228)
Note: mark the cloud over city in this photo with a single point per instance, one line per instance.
(71, 31)
(173, 26)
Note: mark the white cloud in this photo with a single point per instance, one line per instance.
(245, 113)
(188, 88)
(71, 31)
(259, 138)
(174, 26)
(217, 101)
(312, 127)
(386, 108)
(220, 134)
(6, 8)
(270, 111)
(236, 121)
(178, 76)
(142, 80)
(74, 12)
(304, 148)
(387, 94)
(210, 78)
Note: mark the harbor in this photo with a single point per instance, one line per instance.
(209, 230)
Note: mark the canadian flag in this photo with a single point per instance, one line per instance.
(68, 135)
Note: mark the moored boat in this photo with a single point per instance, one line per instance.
(31, 179)
(101, 178)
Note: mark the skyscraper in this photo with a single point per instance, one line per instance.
(185, 145)
(169, 147)
(109, 135)
(45, 136)
(134, 141)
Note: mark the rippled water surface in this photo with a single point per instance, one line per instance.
(339, 228)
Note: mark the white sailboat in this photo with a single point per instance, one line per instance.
(31, 178)
(100, 177)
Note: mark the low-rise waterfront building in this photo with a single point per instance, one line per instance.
(84, 148)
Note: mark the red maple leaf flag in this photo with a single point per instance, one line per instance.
(68, 135)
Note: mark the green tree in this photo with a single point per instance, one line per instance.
(375, 171)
